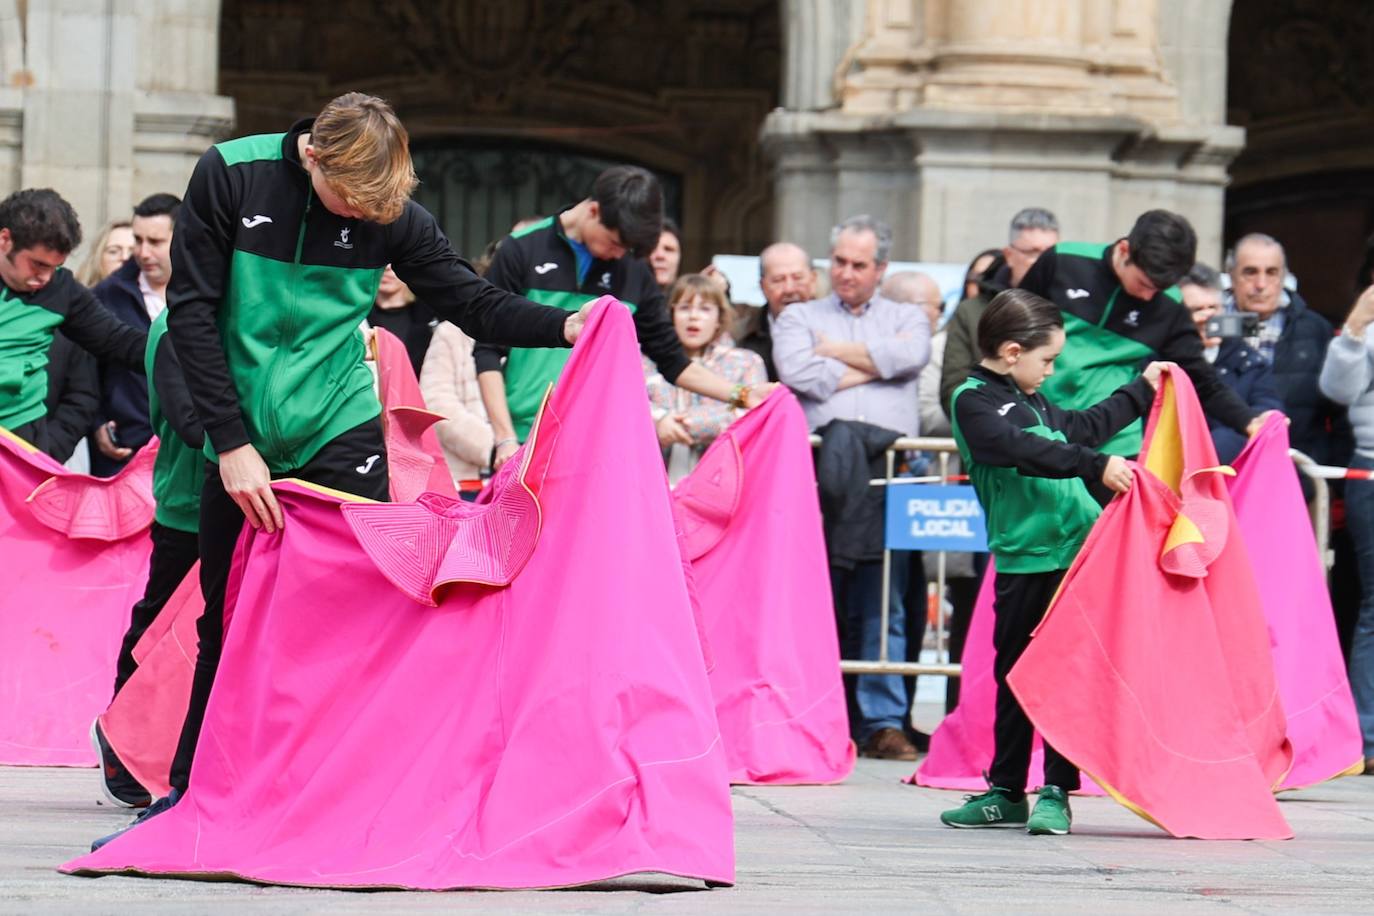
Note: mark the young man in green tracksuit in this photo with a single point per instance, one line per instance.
(38, 230)
(279, 247)
(178, 476)
(1121, 308)
(1028, 461)
(594, 248)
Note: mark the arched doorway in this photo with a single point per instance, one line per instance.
(680, 87)
(1301, 83)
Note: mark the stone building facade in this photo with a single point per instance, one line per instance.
(766, 118)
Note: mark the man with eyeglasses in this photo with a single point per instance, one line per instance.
(1033, 231)
(786, 277)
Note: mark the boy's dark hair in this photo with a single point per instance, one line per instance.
(1017, 316)
(158, 205)
(631, 202)
(1163, 245)
(39, 216)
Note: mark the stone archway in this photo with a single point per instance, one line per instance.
(546, 74)
(1302, 85)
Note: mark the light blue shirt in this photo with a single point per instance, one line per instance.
(898, 340)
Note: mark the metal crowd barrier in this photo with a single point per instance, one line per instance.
(1320, 509)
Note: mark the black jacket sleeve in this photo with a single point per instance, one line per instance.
(658, 339)
(202, 247)
(1041, 274)
(91, 326)
(424, 259)
(1183, 345)
(1094, 425)
(995, 441)
(506, 271)
(173, 395)
(73, 395)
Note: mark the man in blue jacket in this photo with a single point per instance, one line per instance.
(136, 293)
(1238, 365)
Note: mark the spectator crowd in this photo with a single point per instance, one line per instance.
(871, 356)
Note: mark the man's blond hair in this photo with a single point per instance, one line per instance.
(364, 152)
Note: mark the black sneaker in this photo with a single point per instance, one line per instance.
(147, 814)
(116, 781)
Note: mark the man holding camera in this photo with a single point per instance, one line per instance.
(1238, 364)
(1121, 310)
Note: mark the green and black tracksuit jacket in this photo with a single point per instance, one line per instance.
(1111, 335)
(179, 471)
(1028, 459)
(269, 287)
(27, 323)
(538, 262)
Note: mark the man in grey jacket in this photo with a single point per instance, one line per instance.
(1347, 377)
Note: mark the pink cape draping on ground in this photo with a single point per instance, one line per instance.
(415, 462)
(1322, 724)
(1272, 518)
(961, 747)
(551, 732)
(1152, 669)
(752, 527)
(76, 557)
(144, 720)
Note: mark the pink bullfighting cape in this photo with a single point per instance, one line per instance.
(752, 528)
(143, 722)
(961, 747)
(1152, 670)
(76, 557)
(144, 719)
(1274, 523)
(440, 695)
(415, 461)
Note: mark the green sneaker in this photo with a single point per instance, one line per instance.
(994, 808)
(1051, 814)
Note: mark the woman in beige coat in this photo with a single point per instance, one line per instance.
(448, 381)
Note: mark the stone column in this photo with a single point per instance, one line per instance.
(972, 109)
(115, 99)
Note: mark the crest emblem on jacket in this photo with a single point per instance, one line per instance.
(343, 241)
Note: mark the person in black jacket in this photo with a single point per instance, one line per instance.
(593, 248)
(38, 230)
(135, 293)
(73, 399)
(786, 278)
(279, 246)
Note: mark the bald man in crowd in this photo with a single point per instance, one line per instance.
(786, 276)
(919, 289)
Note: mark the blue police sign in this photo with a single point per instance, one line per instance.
(935, 517)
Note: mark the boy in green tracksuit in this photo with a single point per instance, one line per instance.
(178, 475)
(1028, 461)
(591, 249)
(1121, 308)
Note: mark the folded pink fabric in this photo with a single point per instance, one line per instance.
(415, 461)
(1152, 670)
(752, 526)
(144, 720)
(1273, 520)
(553, 731)
(76, 550)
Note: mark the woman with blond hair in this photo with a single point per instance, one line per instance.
(111, 248)
(688, 422)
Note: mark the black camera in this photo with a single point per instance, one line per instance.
(1233, 324)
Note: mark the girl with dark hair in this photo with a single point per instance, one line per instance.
(1028, 461)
